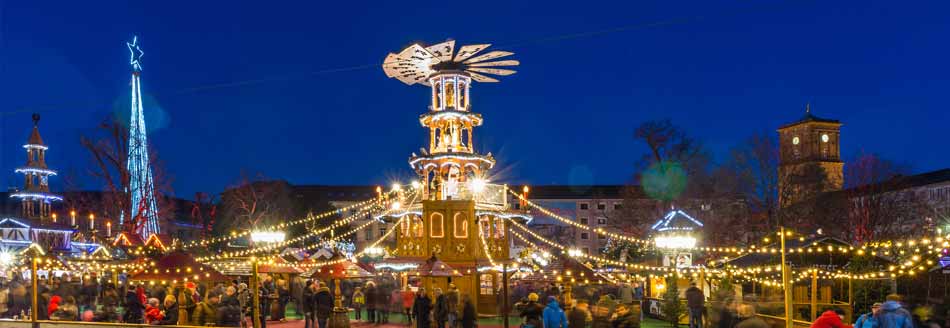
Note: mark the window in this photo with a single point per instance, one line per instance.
(601, 236)
(369, 234)
(617, 206)
(418, 228)
(404, 227)
(601, 221)
(436, 224)
(382, 232)
(601, 206)
(485, 224)
(499, 228)
(460, 225)
(585, 236)
(584, 221)
(586, 250)
(486, 285)
(585, 206)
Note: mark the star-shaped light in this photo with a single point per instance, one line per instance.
(135, 54)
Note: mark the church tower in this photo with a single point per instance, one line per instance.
(809, 158)
(35, 198)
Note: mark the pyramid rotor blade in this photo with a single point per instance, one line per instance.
(469, 50)
(442, 51)
(496, 63)
(481, 78)
(494, 71)
(489, 56)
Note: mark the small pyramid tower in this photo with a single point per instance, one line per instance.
(35, 197)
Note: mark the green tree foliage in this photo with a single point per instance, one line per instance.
(672, 308)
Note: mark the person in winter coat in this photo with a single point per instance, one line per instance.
(602, 311)
(440, 313)
(625, 294)
(18, 303)
(68, 311)
(323, 305)
(229, 310)
(170, 314)
(831, 318)
(134, 309)
(869, 320)
(357, 300)
(153, 313)
(553, 315)
(469, 316)
(309, 305)
(531, 312)
(892, 315)
(695, 304)
(407, 297)
(206, 312)
(370, 302)
(53, 305)
(422, 308)
(283, 297)
(579, 315)
(453, 305)
(624, 318)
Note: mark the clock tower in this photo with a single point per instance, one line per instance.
(809, 158)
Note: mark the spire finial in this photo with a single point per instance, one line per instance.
(36, 119)
(808, 108)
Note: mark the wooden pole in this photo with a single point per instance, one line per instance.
(786, 285)
(814, 294)
(34, 280)
(255, 296)
(504, 290)
(851, 292)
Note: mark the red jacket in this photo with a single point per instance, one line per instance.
(407, 297)
(153, 314)
(829, 319)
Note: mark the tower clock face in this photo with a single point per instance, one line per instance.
(795, 140)
(824, 138)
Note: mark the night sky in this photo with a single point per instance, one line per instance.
(295, 91)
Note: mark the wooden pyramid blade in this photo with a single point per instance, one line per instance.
(496, 63)
(495, 71)
(442, 51)
(481, 78)
(470, 50)
(489, 56)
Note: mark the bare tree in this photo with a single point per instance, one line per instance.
(754, 166)
(875, 206)
(109, 151)
(255, 202)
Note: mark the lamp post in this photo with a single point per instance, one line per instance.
(260, 237)
(786, 285)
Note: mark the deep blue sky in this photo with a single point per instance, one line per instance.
(721, 70)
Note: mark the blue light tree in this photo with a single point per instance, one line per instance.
(144, 211)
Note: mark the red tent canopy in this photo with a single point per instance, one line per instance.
(179, 266)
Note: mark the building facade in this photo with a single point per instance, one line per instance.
(809, 158)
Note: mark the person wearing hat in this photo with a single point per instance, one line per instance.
(531, 312)
(869, 320)
(206, 311)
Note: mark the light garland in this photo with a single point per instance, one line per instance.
(578, 225)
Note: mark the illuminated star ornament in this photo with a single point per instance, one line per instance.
(135, 54)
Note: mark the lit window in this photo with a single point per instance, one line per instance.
(460, 224)
(585, 236)
(601, 221)
(486, 284)
(417, 227)
(499, 228)
(436, 223)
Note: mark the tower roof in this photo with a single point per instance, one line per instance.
(35, 138)
(810, 118)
